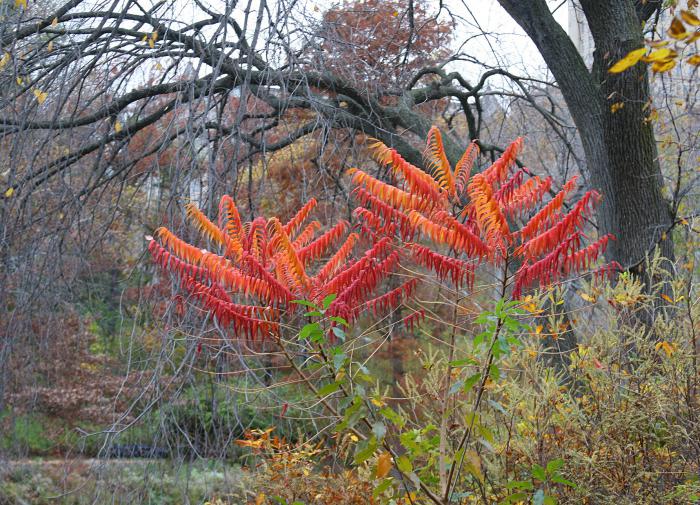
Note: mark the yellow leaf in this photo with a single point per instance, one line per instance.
(666, 347)
(690, 18)
(21, 3)
(629, 60)
(5, 58)
(661, 67)
(587, 297)
(260, 499)
(473, 464)
(151, 44)
(694, 60)
(49, 48)
(117, 126)
(159, 66)
(383, 465)
(40, 95)
(395, 13)
(677, 29)
(54, 21)
(693, 37)
(20, 81)
(616, 107)
(538, 329)
(664, 54)
(377, 403)
(667, 298)
(145, 38)
(9, 192)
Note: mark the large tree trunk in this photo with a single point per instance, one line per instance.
(619, 146)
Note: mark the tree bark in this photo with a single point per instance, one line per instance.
(620, 147)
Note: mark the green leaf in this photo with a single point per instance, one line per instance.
(338, 332)
(328, 300)
(520, 484)
(470, 382)
(561, 480)
(494, 372)
(309, 330)
(329, 389)
(339, 320)
(539, 473)
(404, 464)
(383, 486)
(352, 414)
(362, 376)
(306, 303)
(514, 498)
(487, 434)
(365, 450)
(456, 386)
(339, 360)
(314, 313)
(555, 465)
(462, 362)
(379, 430)
(392, 416)
(481, 338)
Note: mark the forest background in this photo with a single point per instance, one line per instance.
(118, 382)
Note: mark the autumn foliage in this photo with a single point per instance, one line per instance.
(499, 215)
(263, 265)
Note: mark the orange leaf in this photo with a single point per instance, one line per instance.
(661, 67)
(694, 60)
(690, 18)
(677, 29)
(384, 465)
